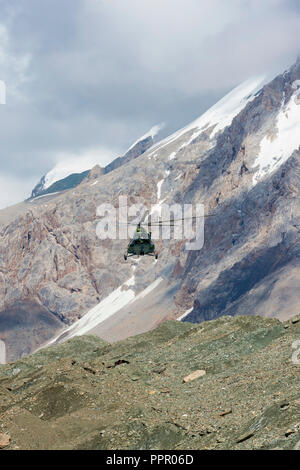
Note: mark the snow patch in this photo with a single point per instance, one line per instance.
(184, 314)
(135, 264)
(114, 302)
(172, 156)
(94, 183)
(148, 289)
(159, 185)
(2, 352)
(274, 152)
(157, 207)
(118, 299)
(151, 133)
(296, 84)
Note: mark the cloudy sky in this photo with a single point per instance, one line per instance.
(86, 78)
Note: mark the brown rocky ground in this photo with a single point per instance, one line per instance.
(89, 394)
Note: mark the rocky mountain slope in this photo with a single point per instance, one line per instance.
(240, 159)
(139, 393)
(53, 182)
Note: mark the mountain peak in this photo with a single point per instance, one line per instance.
(64, 174)
(150, 134)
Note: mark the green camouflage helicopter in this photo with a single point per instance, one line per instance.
(141, 244)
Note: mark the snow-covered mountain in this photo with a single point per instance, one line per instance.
(68, 173)
(220, 115)
(241, 159)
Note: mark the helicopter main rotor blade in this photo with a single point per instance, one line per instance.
(180, 220)
(161, 222)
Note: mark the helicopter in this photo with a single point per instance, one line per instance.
(141, 244)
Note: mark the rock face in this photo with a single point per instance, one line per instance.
(88, 394)
(39, 187)
(256, 263)
(96, 172)
(138, 149)
(240, 159)
(22, 320)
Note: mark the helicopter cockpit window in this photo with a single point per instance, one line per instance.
(142, 234)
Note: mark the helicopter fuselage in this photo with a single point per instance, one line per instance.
(140, 247)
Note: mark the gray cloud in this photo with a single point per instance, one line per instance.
(93, 75)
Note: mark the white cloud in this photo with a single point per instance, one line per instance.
(2, 92)
(94, 74)
(193, 46)
(14, 189)
(14, 67)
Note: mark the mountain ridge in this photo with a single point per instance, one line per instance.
(74, 179)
